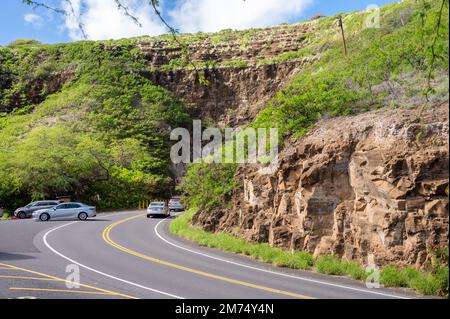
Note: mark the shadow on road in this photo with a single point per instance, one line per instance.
(163, 217)
(9, 257)
(75, 220)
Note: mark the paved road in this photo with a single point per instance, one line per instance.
(125, 255)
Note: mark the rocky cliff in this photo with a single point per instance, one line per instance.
(372, 186)
(243, 69)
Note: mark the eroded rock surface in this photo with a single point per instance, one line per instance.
(234, 95)
(369, 186)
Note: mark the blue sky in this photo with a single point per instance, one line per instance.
(103, 21)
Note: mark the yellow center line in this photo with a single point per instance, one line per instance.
(62, 290)
(66, 281)
(27, 278)
(107, 238)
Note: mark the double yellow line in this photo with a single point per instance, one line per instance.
(107, 238)
(98, 291)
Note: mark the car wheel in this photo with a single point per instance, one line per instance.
(21, 215)
(82, 216)
(44, 217)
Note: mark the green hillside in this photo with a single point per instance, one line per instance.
(401, 64)
(103, 137)
(82, 118)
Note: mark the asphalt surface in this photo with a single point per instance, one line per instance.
(126, 255)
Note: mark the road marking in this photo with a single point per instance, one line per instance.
(273, 272)
(98, 271)
(27, 278)
(107, 238)
(66, 281)
(62, 290)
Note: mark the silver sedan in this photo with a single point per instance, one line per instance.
(158, 209)
(66, 211)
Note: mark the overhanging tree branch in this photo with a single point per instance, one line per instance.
(77, 17)
(40, 4)
(126, 12)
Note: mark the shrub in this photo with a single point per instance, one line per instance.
(208, 186)
(235, 64)
(330, 265)
(355, 271)
(20, 42)
(392, 276)
(295, 260)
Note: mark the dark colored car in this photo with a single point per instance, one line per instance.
(27, 211)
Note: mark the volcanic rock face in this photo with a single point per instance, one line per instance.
(235, 94)
(373, 186)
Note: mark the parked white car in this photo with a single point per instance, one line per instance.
(66, 211)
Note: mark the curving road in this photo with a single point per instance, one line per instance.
(126, 255)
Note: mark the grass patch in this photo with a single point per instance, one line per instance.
(434, 283)
(6, 216)
(332, 265)
(426, 283)
(263, 252)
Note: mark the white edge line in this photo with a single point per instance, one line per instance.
(272, 272)
(44, 238)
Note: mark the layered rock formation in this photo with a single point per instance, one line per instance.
(241, 69)
(369, 186)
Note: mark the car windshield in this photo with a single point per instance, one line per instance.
(30, 205)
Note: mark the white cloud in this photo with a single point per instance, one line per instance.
(215, 15)
(33, 19)
(102, 20)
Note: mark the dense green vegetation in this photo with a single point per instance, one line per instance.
(209, 185)
(385, 67)
(432, 282)
(102, 138)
